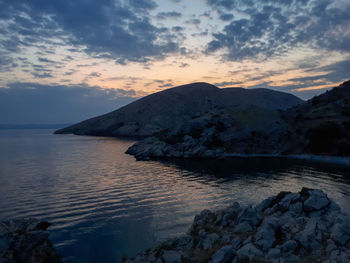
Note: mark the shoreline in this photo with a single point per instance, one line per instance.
(345, 161)
(308, 157)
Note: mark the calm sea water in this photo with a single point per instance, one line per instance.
(104, 205)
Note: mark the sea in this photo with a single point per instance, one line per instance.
(104, 205)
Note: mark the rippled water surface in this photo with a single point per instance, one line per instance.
(104, 205)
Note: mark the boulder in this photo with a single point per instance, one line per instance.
(223, 255)
(171, 256)
(316, 201)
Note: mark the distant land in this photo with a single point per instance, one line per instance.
(201, 120)
(171, 108)
(31, 126)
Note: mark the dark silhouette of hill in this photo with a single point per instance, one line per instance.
(171, 108)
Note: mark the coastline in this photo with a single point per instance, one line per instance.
(307, 157)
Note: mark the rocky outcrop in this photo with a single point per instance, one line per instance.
(289, 227)
(320, 126)
(26, 241)
(171, 108)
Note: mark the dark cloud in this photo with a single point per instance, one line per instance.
(35, 103)
(268, 28)
(226, 17)
(177, 29)
(94, 74)
(45, 60)
(165, 15)
(335, 72)
(6, 62)
(184, 65)
(194, 21)
(227, 83)
(119, 30)
(43, 75)
(166, 85)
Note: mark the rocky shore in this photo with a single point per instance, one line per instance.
(289, 227)
(26, 241)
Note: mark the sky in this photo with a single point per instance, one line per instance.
(64, 61)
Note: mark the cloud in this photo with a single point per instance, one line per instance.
(94, 74)
(46, 104)
(43, 75)
(270, 28)
(119, 30)
(226, 17)
(166, 85)
(184, 65)
(227, 83)
(166, 15)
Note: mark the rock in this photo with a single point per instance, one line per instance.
(26, 240)
(330, 246)
(243, 228)
(296, 209)
(305, 236)
(265, 236)
(236, 243)
(289, 245)
(223, 255)
(209, 241)
(185, 241)
(340, 233)
(249, 215)
(286, 201)
(274, 253)
(170, 256)
(264, 204)
(284, 228)
(316, 201)
(250, 251)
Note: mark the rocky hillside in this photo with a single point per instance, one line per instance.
(171, 108)
(320, 126)
(289, 227)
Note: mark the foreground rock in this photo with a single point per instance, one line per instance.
(289, 227)
(26, 241)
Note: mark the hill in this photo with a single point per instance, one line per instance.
(171, 108)
(320, 126)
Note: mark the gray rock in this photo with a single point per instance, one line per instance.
(286, 201)
(249, 215)
(330, 246)
(308, 233)
(209, 241)
(274, 253)
(250, 251)
(316, 201)
(185, 241)
(171, 256)
(264, 204)
(296, 209)
(223, 255)
(26, 241)
(236, 243)
(340, 233)
(243, 228)
(265, 236)
(289, 245)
